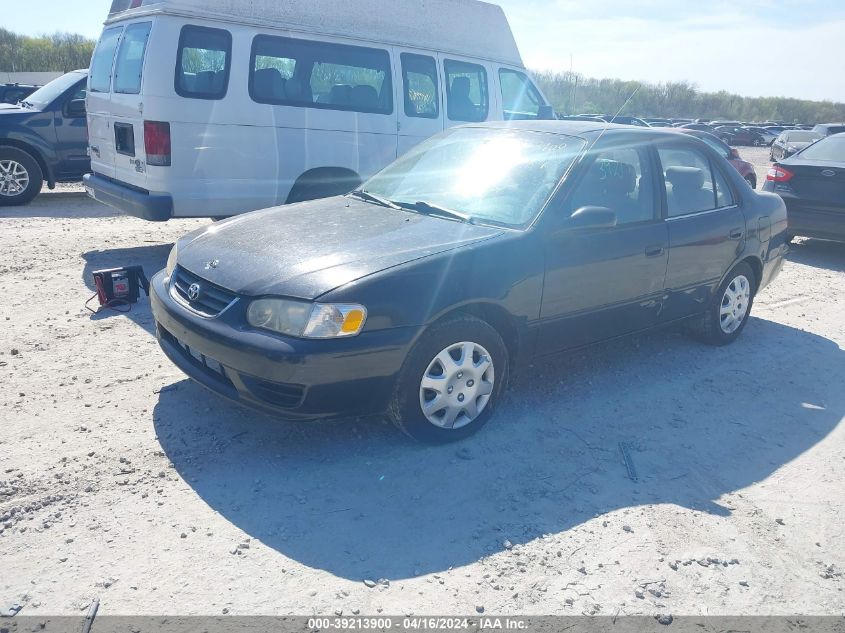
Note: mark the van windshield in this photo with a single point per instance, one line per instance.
(45, 95)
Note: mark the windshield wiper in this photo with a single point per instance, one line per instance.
(26, 104)
(371, 197)
(434, 209)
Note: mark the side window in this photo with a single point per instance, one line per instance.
(103, 59)
(724, 195)
(286, 71)
(419, 77)
(620, 180)
(520, 99)
(689, 181)
(203, 63)
(130, 58)
(466, 91)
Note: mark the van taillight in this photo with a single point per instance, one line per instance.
(157, 143)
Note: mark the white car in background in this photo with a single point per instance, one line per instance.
(201, 108)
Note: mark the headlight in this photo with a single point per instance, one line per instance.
(307, 320)
(171, 261)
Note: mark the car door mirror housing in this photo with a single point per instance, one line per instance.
(593, 218)
(76, 108)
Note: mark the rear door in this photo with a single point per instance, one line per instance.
(127, 119)
(419, 97)
(99, 107)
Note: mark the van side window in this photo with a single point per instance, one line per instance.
(101, 63)
(520, 99)
(203, 63)
(466, 91)
(292, 72)
(419, 76)
(130, 58)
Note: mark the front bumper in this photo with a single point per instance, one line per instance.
(294, 378)
(141, 204)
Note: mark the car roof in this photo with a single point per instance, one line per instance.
(582, 129)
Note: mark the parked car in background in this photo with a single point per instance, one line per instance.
(43, 139)
(657, 122)
(720, 123)
(768, 137)
(580, 117)
(827, 129)
(791, 141)
(12, 93)
(731, 154)
(255, 104)
(812, 183)
(701, 127)
(739, 136)
(625, 120)
(477, 251)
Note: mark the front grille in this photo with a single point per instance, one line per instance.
(212, 299)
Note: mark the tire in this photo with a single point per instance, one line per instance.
(458, 333)
(21, 177)
(709, 329)
(319, 188)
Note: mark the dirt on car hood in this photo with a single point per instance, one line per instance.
(306, 250)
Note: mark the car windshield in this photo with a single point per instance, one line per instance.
(830, 149)
(45, 95)
(495, 176)
(802, 137)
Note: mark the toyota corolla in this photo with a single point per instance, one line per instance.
(487, 246)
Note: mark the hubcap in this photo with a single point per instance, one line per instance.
(456, 387)
(735, 304)
(14, 178)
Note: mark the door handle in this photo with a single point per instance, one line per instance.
(736, 234)
(654, 251)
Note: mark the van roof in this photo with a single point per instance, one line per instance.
(462, 27)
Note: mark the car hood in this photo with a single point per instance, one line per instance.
(306, 250)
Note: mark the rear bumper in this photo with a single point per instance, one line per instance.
(293, 378)
(149, 206)
(808, 220)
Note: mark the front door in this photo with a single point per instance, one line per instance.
(419, 97)
(72, 135)
(606, 282)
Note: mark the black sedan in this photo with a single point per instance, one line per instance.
(812, 182)
(739, 136)
(791, 141)
(478, 251)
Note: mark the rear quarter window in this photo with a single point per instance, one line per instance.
(203, 63)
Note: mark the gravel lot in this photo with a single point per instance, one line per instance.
(122, 480)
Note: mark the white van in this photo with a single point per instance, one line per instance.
(210, 108)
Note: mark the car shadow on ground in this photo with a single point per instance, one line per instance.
(152, 258)
(819, 253)
(359, 500)
(60, 204)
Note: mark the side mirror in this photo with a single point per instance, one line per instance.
(75, 108)
(592, 218)
(546, 113)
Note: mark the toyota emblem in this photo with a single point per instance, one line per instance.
(214, 263)
(194, 292)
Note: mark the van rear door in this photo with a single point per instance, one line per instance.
(100, 139)
(127, 116)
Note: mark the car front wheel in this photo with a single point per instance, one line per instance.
(451, 381)
(20, 177)
(730, 309)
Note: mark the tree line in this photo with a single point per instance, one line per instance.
(572, 93)
(569, 93)
(60, 52)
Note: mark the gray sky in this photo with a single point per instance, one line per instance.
(792, 48)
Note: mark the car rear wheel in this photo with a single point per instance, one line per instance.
(451, 381)
(20, 177)
(730, 309)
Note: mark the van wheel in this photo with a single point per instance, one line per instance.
(451, 381)
(323, 186)
(730, 309)
(21, 178)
